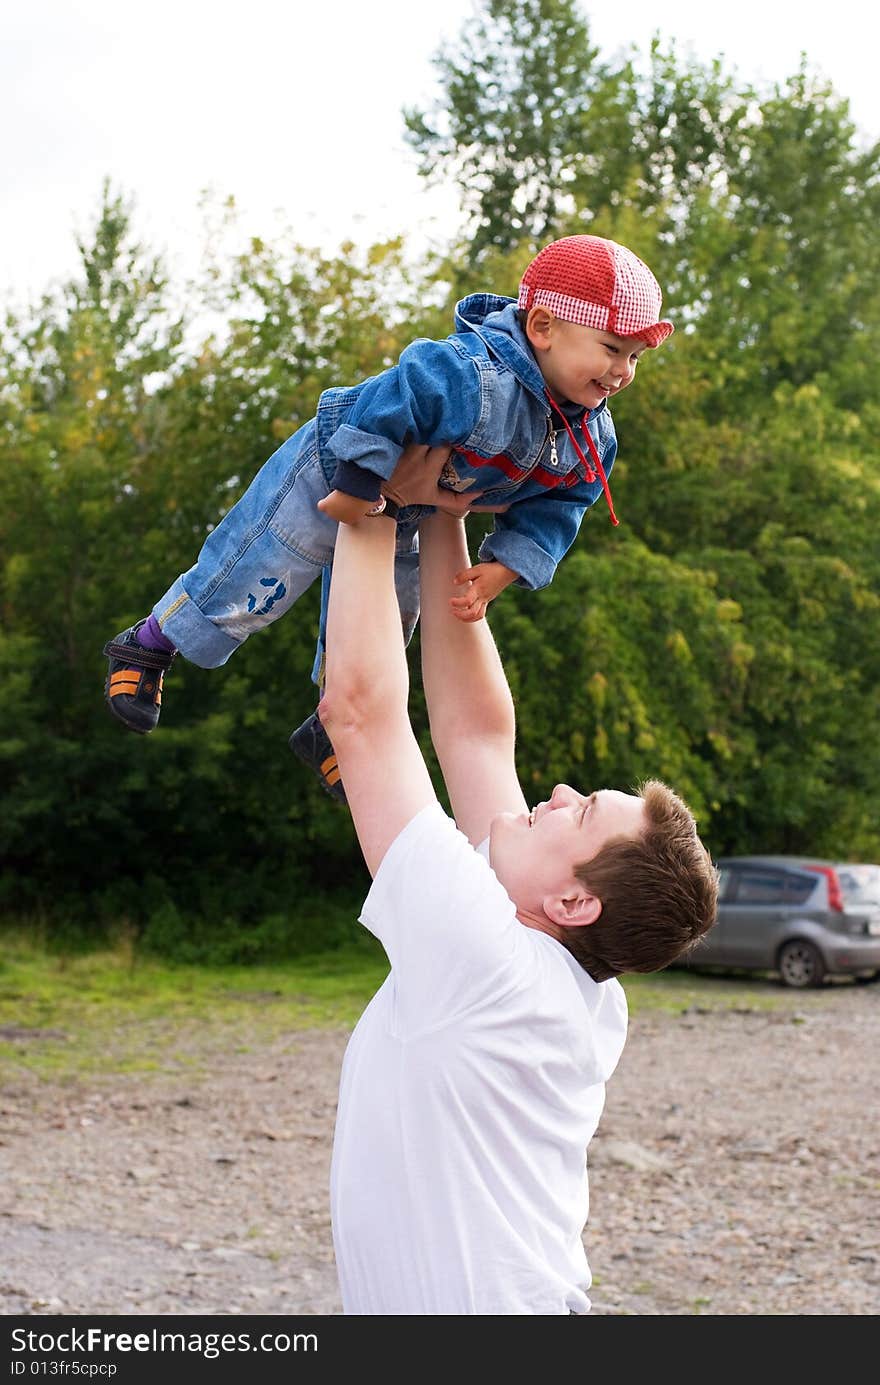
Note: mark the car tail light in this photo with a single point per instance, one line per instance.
(835, 897)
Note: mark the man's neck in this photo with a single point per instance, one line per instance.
(540, 923)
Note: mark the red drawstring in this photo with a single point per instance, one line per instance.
(588, 470)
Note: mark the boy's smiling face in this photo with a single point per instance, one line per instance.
(582, 364)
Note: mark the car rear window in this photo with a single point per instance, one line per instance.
(859, 885)
(798, 888)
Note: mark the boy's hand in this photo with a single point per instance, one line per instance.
(485, 582)
(345, 509)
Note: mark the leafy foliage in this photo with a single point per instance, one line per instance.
(510, 115)
(726, 638)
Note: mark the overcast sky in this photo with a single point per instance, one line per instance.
(294, 108)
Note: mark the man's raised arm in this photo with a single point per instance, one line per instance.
(473, 725)
(364, 708)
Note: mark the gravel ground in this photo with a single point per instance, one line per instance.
(735, 1171)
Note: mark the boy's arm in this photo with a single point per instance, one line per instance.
(470, 706)
(432, 396)
(526, 546)
(533, 536)
(364, 708)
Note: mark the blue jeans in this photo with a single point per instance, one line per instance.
(264, 554)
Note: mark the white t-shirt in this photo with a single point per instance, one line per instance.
(470, 1089)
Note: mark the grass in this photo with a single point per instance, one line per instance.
(678, 990)
(68, 1014)
(77, 1014)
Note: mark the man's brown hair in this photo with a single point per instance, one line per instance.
(659, 892)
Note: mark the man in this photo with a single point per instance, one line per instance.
(475, 1078)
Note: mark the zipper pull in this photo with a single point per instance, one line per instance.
(554, 455)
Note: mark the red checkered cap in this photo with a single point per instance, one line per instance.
(596, 283)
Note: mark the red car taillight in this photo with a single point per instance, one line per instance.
(835, 897)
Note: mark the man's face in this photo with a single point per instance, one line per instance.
(583, 364)
(534, 854)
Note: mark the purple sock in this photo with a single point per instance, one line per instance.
(151, 637)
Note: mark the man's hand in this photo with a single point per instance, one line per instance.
(484, 582)
(414, 481)
(345, 509)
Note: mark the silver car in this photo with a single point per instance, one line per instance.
(801, 917)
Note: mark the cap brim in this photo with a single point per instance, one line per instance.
(656, 334)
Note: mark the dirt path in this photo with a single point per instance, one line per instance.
(735, 1172)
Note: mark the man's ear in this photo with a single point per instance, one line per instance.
(575, 910)
(539, 325)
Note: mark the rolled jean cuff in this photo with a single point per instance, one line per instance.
(199, 640)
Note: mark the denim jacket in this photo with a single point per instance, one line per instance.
(481, 392)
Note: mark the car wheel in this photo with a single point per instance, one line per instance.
(800, 964)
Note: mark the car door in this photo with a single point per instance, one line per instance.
(754, 914)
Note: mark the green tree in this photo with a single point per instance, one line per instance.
(509, 116)
(543, 137)
(725, 638)
(120, 447)
(748, 448)
(789, 284)
(73, 402)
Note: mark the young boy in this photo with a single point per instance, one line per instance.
(519, 391)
